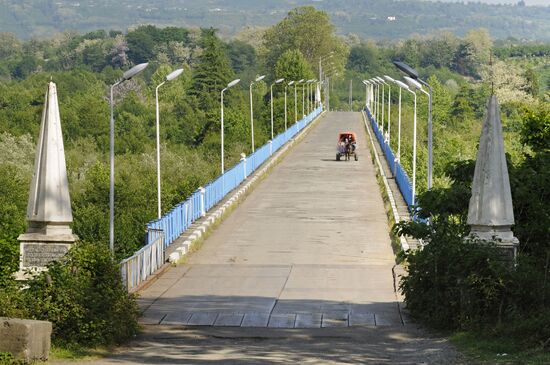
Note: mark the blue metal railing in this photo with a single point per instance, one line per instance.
(162, 232)
(177, 220)
(401, 177)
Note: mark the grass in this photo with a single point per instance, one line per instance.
(77, 352)
(481, 348)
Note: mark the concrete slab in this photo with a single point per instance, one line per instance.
(176, 318)
(282, 320)
(335, 319)
(308, 320)
(361, 319)
(255, 320)
(202, 319)
(229, 320)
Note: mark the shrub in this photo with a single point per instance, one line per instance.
(84, 297)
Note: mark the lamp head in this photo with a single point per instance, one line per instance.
(279, 81)
(291, 83)
(413, 84)
(233, 83)
(389, 78)
(171, 76)
(301, 80)
(134, 71)
(402, 84)
(259, 78)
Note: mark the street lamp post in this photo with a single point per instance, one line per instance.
(310, 104)
(260, 78)
(401, 86)
(321, 76)
(126, 76)
(414, 141)
(366, 83)
(414, 84)
(170, 77)
(391, 80)
(289, 84)
(296, 100)
(383, 94)
(412, 73)
(377, 102)
(271, 94)
(230, 85)
(304, 98)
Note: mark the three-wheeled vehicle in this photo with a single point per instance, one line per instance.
(346, 146)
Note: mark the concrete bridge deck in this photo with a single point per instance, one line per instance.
(309, 247)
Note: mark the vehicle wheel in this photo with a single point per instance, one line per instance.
(337, 157)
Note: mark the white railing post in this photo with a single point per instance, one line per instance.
(270, 148)
(203, 210)
(243, 159)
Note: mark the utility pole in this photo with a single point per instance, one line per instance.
(350, 94)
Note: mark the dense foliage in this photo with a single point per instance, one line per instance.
(82, 295)
(83, 66)
(457, 283)
(451, 283)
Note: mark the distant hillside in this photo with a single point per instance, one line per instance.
(378, 19)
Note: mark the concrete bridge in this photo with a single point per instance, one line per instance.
(309, 247)
(302, 271)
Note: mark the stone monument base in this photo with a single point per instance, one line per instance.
(502, 237)
(38, 250)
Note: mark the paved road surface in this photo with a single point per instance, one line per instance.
(308, 248)
(308, 252)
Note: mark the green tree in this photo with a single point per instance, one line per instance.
(461, 107)
(532, 82)
(141, 43)
(464, 61)
(211, 75)
(292, 66)
(363, 58)
(309, 31)
(242, 55)
(13, 201)
(439, 51)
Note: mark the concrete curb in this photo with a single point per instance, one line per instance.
(389, 192)
(217, 213)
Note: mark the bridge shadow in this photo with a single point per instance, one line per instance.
(361, 344)
(268, 311)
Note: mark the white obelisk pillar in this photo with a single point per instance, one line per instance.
(490, 213)
(49, 215)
